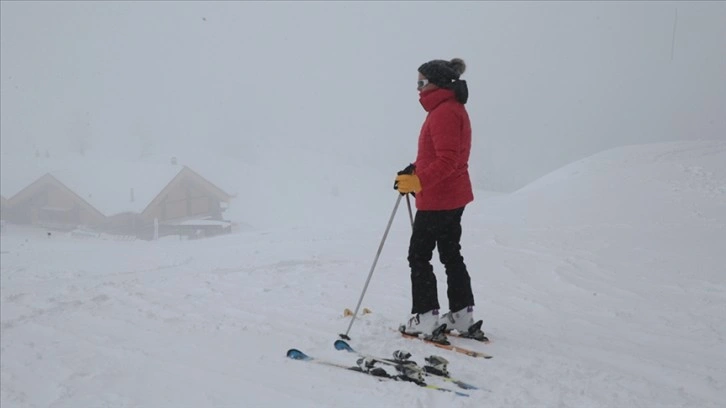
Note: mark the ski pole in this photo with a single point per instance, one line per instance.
(378, 254)
(410, 213)
(410, 169)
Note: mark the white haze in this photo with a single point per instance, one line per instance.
(601, 283)
(332, 83)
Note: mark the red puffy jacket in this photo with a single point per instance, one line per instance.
(442, 163)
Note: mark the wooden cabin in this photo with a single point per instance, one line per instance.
(47, 202)
(137, 199)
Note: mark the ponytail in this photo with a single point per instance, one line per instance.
(461, 90)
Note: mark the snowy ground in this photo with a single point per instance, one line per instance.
(601, 285)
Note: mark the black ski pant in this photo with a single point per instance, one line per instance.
(440, 229)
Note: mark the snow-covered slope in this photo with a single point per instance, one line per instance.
(603, 284)
(654, 184)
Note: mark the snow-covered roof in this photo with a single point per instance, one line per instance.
(104, 184)
(17, 173)
(108, 189)
(197, 222)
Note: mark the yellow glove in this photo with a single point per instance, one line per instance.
(408, 183)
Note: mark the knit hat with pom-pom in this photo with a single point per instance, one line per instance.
(442, 73)
(445, 74)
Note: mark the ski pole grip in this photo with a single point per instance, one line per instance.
(408, 170)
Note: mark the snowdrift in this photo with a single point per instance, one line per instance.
(662, 183)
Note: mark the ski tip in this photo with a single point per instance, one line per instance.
(467, 386)
(342, 345)
(296, 354)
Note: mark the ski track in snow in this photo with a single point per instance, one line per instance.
(588, 315)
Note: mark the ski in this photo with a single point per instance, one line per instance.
(447, 346)
(367, 366)
(435, 369)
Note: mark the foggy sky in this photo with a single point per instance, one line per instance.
(549, 82)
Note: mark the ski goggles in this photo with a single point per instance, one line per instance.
(422, 82)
